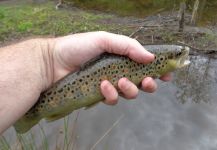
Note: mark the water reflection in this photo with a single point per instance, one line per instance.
(196, 82)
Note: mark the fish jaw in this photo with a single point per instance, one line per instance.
(183, 60)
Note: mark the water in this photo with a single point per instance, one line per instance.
(206, 12)
(180, 115)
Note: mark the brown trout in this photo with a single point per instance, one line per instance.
(82, 88)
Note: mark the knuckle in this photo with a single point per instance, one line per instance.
(102, 32)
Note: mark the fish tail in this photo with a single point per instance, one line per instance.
(24, 124)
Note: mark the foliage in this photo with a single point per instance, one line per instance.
(24, 19)
(4, 145)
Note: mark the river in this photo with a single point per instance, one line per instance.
(182, 114)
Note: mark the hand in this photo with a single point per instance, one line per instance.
(30, 67)
(70, 52)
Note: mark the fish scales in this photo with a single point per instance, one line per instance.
(82, 88)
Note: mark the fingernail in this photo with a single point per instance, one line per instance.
(149, 55)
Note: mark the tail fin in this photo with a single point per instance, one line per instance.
(24, 124)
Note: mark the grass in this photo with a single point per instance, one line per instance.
(4, 145)
(26, 19)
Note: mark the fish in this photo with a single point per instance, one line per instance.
(81, 89)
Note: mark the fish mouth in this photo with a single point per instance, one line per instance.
(184, 58)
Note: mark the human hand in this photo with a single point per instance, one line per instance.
(68, 53)
(30, 67)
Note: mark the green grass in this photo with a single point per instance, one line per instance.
(26, 19)
(4, 145)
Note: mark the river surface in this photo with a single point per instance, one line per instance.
(181, 115)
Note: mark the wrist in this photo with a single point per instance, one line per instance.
(45, 50)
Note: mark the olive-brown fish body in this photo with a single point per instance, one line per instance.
(82, 88)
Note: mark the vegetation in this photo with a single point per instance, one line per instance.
(26, 19)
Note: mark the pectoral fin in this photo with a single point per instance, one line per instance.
(90, 106)
(54, 117)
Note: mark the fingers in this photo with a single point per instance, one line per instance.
(123, 45)
(128, 89)
(109, 92)
(166, 77)
(149, 85)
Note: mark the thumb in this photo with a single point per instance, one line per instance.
(123, 45)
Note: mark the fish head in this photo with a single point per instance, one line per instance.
(172, 58)
(179, 57)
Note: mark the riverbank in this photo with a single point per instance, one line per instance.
(43, 20)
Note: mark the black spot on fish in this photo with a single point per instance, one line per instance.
(158, 62)
(49, 93)
(60, 90)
